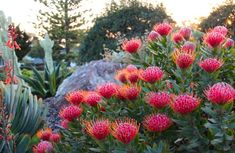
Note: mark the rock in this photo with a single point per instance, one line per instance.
(86, 77)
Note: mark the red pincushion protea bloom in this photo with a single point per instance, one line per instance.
(64, 124)
(184, 104)
(177, 38)
(188, 46)
(129, 92)
(43, 147)
(158, 99)
(182, 59)
(131, 68)
(75, 97)
(220, 93)
(70, 112)
(163, 29)
(153, 36)
(121, 75)
(220, 29)
(131, 46)
(55, 137)
(185, 32)
(157, 122)
(152, 74)
(107, 90)
(98, 129)
(92, 98)
(213, 39)
(44, 134)
(210, 64)
(229, 43)
(125, 130)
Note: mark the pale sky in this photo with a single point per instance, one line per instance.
(25, 11)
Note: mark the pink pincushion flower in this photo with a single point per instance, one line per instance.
(158, 99)
(44, 134)
(98, 129)
(92, 98)
(64, 124)
(153, 36)
(152, 74)
(185, 104)
(182, 59)
(188, 47)
(55, 138)
(220, 93)
(185, 32)
(43, 147)
(220, 29)
(107, 90)
(125, 130)
(213, 39)
(177, 38)
(128, 92)
(229, 43)
(163, 29)
(131, 46)
(210, 64)
(70, 112)
(157, 122)
(75, 97)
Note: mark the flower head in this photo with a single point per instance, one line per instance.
(107, 90)
(92, 98)
(157, 122)
(44, 134)
(131, 46)
(70, 112)
(98, 129)
(184, 104)
(188, 46)
(152, 74)
(229, 43)
(43, 147)
(55, 137)
(185, 32)
(121, 75)
(183, 59)
(177, 38)
(12, 36)
(64, 124)
(153, 36)
(129, 92)
(75, 97)
(158, 99)
(220, 93)
(163, 29)
(220, 29)
(213, 39)
(125, 130)
(210, 64)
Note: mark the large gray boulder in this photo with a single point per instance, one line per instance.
(86, 77)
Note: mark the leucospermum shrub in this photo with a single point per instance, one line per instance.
(176, 96)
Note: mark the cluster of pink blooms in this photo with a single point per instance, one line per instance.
(47, 139)
(132, 78)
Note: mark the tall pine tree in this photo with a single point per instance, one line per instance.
(61, 19)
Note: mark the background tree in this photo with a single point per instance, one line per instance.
(222, 15)
(24, 40)
(128, 19)
(61, 19)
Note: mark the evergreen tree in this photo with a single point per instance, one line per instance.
(222, 15)
(61, 19)
(130, 18)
